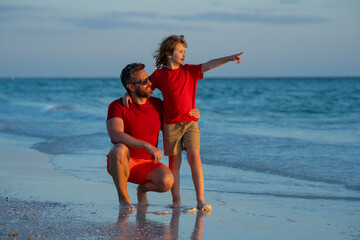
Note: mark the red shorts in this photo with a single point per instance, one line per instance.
(139, 169)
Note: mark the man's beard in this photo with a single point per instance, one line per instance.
(143, 93)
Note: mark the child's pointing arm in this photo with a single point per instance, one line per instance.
(220, 61)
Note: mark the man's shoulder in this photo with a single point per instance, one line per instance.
(117, 102)
(115, 109)
(117, 105)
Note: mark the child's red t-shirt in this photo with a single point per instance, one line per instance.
(178, 87)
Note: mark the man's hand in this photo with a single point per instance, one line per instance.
(195, 113)
(154, 151)
(126, 100)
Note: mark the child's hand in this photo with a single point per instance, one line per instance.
(195, 113)
(237, 57)
(126, 100)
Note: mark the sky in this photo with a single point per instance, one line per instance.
(88, 38)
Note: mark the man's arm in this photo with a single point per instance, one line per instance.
(220, 61)
(115, 128)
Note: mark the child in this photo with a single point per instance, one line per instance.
(178, 83)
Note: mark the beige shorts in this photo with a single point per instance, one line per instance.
(180, 136)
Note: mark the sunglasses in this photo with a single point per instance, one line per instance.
(143, 82)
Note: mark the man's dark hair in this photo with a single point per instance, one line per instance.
(127, 73)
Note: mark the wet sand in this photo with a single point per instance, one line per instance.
(40, 202)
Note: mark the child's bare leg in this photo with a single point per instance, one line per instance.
(174, 165)
(193, 156)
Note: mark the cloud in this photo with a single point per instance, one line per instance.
(12, 8)
(150, 20)
(131, 20)
(11, 12)
(107, 21)
(257, 17)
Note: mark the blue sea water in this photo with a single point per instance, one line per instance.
(285, 137)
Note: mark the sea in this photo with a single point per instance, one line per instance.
(287, 137)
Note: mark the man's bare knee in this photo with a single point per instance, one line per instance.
(119, 153)
(166, 182)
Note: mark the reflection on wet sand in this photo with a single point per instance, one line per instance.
(144, 228)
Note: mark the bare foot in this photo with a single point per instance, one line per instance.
(126, 206)
(176, 204)
(204, 207)
(142, 198)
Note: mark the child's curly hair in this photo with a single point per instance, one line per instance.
(166, 48)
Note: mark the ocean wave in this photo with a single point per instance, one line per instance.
(52, 108)
(75, 144)
(283, 156)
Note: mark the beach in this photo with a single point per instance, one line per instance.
(38, 202)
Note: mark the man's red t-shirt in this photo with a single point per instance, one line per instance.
(178, 87)
(142, 122)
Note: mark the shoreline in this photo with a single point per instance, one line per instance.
(38, 201)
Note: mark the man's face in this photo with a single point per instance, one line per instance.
(142, 87)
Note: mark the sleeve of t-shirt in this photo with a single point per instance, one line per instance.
(114, 110)
(195, 71)
(154, 80)
(158, 103)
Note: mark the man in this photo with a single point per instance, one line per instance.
(134, 132)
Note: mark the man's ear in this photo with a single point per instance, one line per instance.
(130, 86)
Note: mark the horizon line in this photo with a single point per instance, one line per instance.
(109, 77)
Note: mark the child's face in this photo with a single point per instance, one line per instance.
(178, 56)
